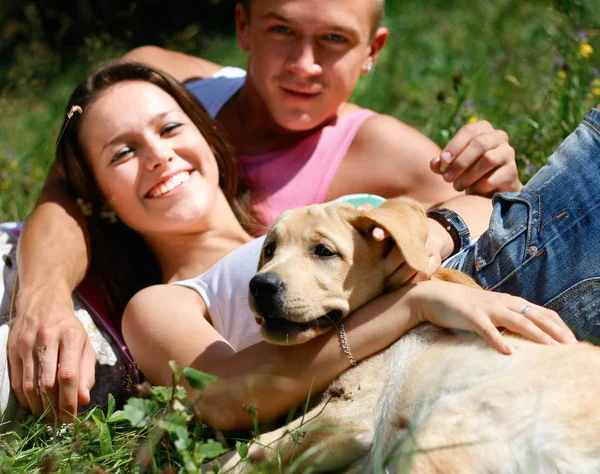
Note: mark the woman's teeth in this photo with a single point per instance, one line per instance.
(170, 184)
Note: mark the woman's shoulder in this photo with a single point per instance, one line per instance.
(161, 298)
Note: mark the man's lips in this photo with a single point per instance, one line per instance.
(301, 92)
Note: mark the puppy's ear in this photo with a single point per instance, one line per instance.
(405, 220)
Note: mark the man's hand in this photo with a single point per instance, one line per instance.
(51, 359)
(479, 160)
(403, 272)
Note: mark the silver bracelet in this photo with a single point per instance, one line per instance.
(345, 347)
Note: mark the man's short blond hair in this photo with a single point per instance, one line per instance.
(378, 10)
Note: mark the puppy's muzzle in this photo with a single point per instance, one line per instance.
(267, 294)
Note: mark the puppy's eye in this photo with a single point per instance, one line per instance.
(323, 251)
(269, 250)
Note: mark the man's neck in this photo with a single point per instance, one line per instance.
(251, 127)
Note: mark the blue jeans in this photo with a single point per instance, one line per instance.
(543, 243)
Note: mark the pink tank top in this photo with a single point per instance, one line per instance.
(299, 175)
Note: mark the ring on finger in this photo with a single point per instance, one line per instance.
(525, 309)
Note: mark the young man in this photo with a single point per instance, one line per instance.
(286, 119)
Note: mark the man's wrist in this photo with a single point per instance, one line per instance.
(440, 239)
(454, 225)
(44, 296)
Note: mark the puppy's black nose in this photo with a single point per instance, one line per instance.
(265, 285)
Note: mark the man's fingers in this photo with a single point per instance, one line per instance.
(47, 358)
(495, 170)
(88, 374)
(476, 150)
(460, 141)
(70, 355)
(29, 384)
(399, 277)
(16, 381)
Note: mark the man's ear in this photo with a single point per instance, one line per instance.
(405, 220)
(242, 25)
(378, 42)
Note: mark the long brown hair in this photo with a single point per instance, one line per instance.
(121, 260)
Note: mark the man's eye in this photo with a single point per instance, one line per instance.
(336, 38)
(121, 154)
(169, 128)
(269, 250)
(323, 251)
(281, 29)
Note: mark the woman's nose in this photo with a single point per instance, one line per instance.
(158, 154)
(303, 60)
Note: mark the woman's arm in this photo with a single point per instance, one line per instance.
(165, 323)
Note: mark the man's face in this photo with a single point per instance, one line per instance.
(305, 55)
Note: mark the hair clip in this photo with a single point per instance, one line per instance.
(75, 108)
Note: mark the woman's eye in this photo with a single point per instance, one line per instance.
(323, 251)
(169, 128)
(269, 250)
(122, 154)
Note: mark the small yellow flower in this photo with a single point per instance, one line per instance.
(473, 119)
(586, 50)
(5, 185)
(596, 82)
(596, 91)
(562, 74)
(13, 164)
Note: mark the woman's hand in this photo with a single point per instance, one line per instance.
(479, 160)
(457, 306)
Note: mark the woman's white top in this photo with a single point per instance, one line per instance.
(224, 289)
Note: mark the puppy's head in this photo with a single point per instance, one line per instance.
(319, 263)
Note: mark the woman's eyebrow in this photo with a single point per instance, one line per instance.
(122, 134)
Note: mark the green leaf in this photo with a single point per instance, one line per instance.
(208, 450)
(197, 379)
(162, 394)
(176, 424)
(111, 405)
(104, 437)
(180, 393)
(242, 450)
(117, 417)
(139, 411)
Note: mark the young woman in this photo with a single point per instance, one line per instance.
(138, 144)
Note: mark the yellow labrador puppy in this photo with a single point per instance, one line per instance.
(434, 402)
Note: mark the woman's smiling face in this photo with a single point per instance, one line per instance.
(152, 164)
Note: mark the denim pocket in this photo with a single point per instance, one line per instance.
(512, 218)
(579, 307)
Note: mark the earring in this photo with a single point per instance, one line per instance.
(368, 65)
(109, 216)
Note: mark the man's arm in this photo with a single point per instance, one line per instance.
(389, 158)
(46, 335)
(181, 66)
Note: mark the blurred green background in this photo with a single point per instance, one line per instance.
(530, 68)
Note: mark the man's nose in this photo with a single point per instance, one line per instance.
(303, 61)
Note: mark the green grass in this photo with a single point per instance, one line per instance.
(504, 51)
(445, 64)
